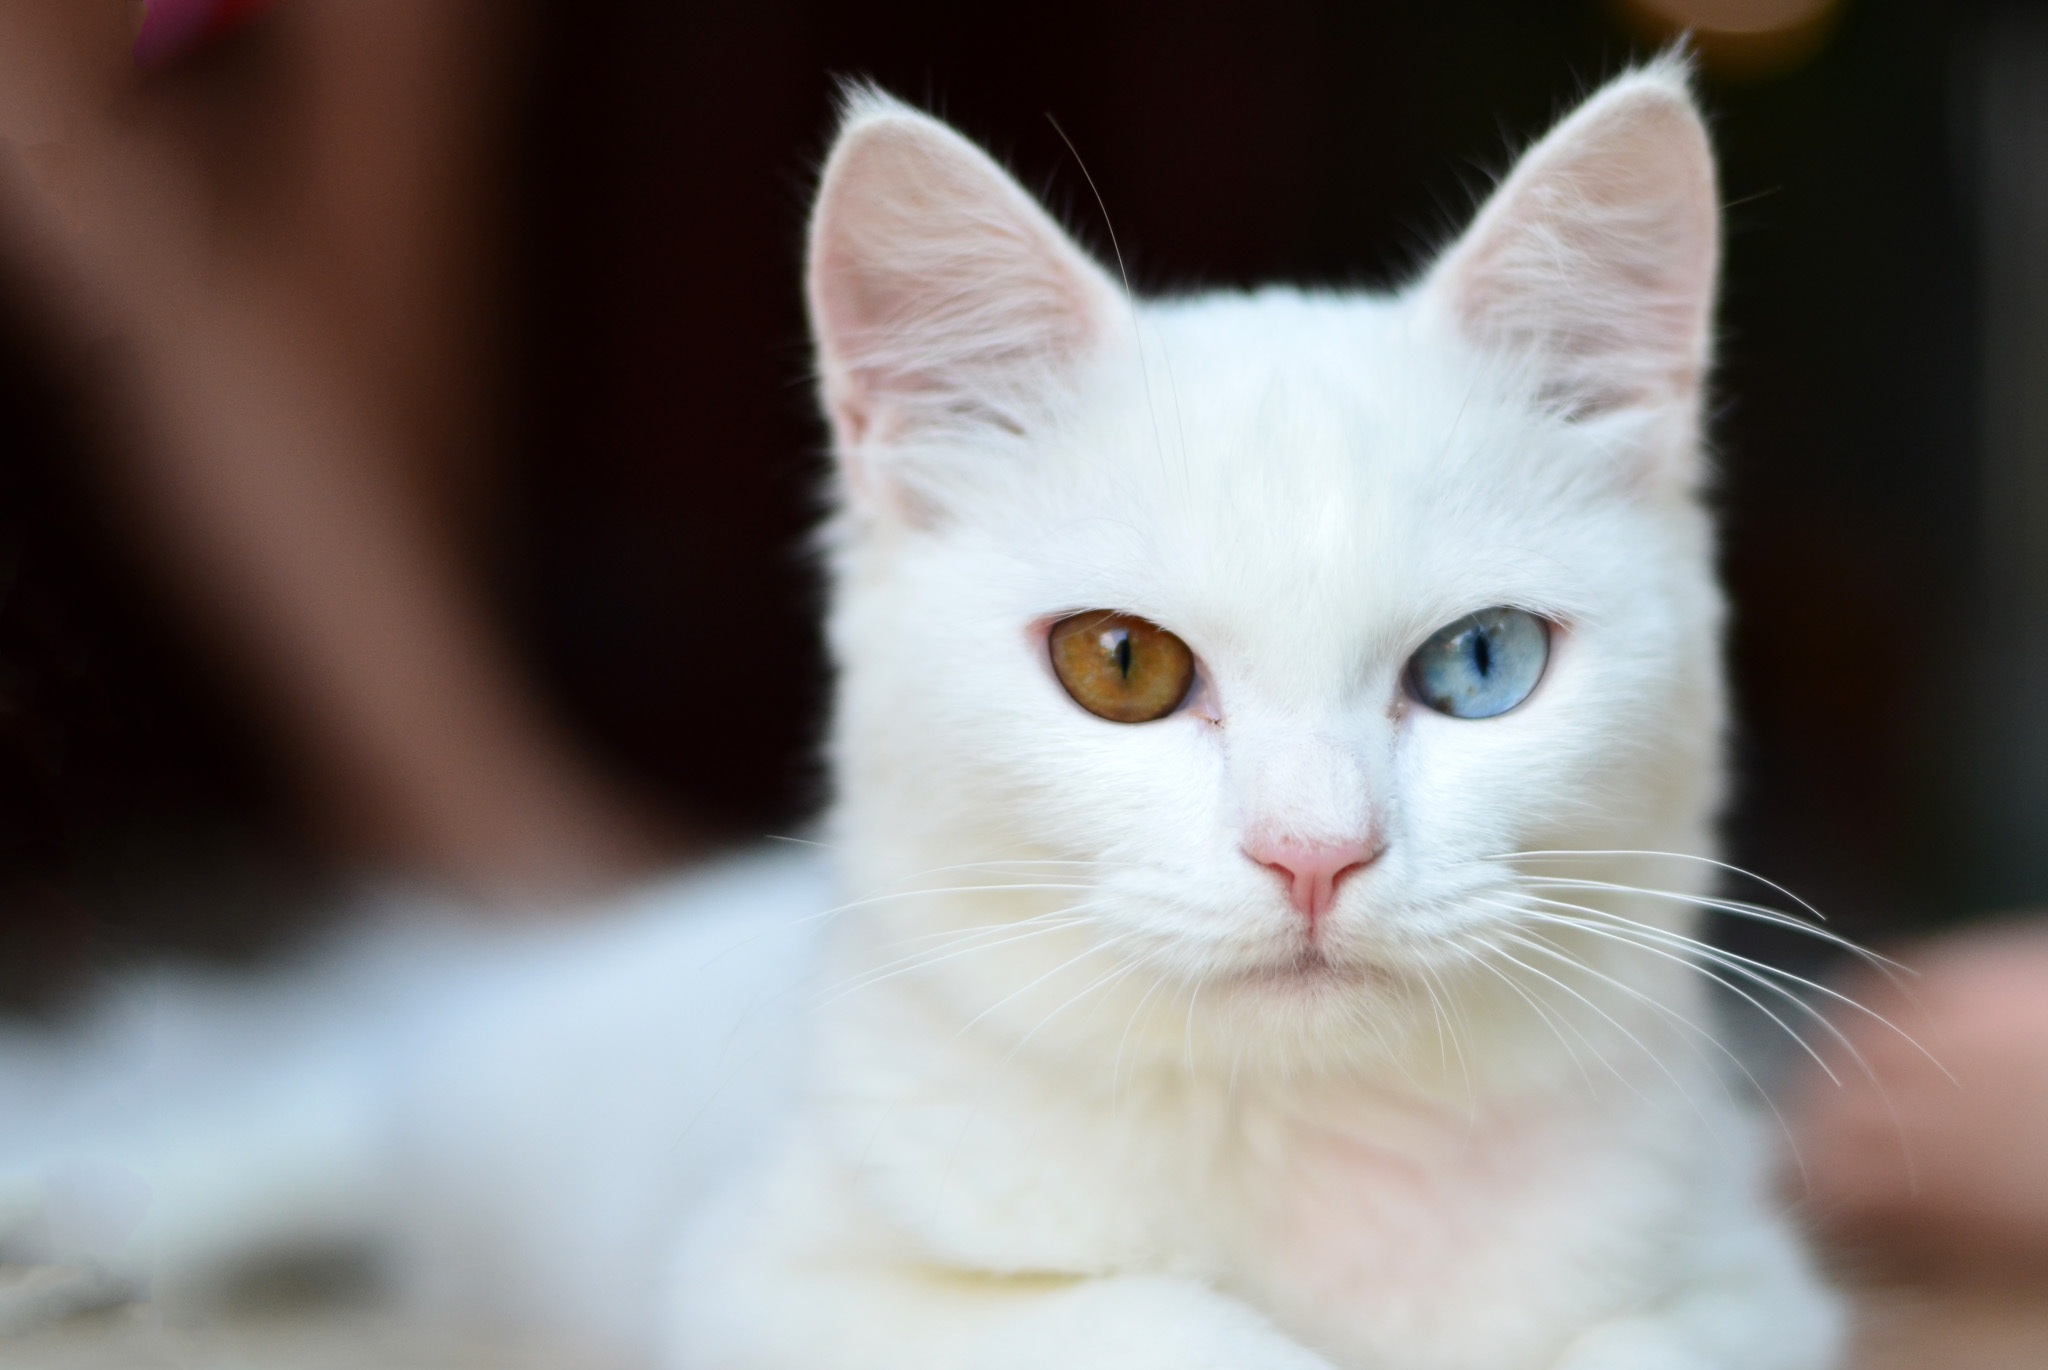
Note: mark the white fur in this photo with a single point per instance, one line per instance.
(1082, 1090)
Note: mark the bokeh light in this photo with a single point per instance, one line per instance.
(1742, 38)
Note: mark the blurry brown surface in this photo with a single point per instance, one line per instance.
(324, 1339)
(1987, 1325)
(1937, 1327)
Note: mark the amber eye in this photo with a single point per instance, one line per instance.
(1121, 667)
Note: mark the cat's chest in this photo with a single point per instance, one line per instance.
(1328, 1181)
(1381, 1228)
(1391, 1231)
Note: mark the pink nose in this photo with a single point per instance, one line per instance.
(1312, 870)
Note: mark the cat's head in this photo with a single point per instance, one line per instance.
(1262, 630)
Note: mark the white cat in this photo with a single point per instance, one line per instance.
(1259, 719)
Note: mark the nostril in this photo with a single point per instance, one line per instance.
(1313, 871)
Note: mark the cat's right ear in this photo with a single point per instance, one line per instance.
(943, 299)
(1595, 260)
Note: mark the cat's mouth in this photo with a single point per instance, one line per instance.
(1314, 968)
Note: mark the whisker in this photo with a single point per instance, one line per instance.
(1436, 1017)
(1757, 971)
(1636, 1041)
(1360, 1015)
(1117, 972)
(1536, 941)
(874, 974)
(1735, 907)
(1116, 249)
(867, 979)
(868, 901)
(1116, 1070)
(1689, 963)
(795, 841)
(1446, 1007)
(1509, 981)
(1715, 862)
(1540, 943)
(1000, 925)
(1034, 983)
(1123, 968)
(1891, 1106)
(1545, 946)
(1188, 1032)
(1052, 921)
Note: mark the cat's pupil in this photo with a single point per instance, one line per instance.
(1123, 654)
(1482, 653)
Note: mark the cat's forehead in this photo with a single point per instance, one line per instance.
(1293, 401)
(1286, 453)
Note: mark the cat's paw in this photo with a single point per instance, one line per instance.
(1632, 1344)
(1147, 1323)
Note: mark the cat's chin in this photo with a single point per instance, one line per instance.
(1313, 971)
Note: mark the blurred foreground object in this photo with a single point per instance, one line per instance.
(273, 268)
(1932, 1153)
(173, 28)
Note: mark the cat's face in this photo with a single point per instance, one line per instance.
(1264, 627)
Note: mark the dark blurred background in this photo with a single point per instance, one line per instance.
(646, 537)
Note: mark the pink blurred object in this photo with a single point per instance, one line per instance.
(171, 29)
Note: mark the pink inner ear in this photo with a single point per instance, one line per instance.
(941, 293)
(1598, 256)
(931, 343)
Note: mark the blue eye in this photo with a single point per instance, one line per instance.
(1481, 665)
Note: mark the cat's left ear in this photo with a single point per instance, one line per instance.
(944, 301)
(1594, 263)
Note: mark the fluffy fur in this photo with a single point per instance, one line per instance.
(1064, 1079)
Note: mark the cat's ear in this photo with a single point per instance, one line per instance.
(942, 296)
(1595, 260)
